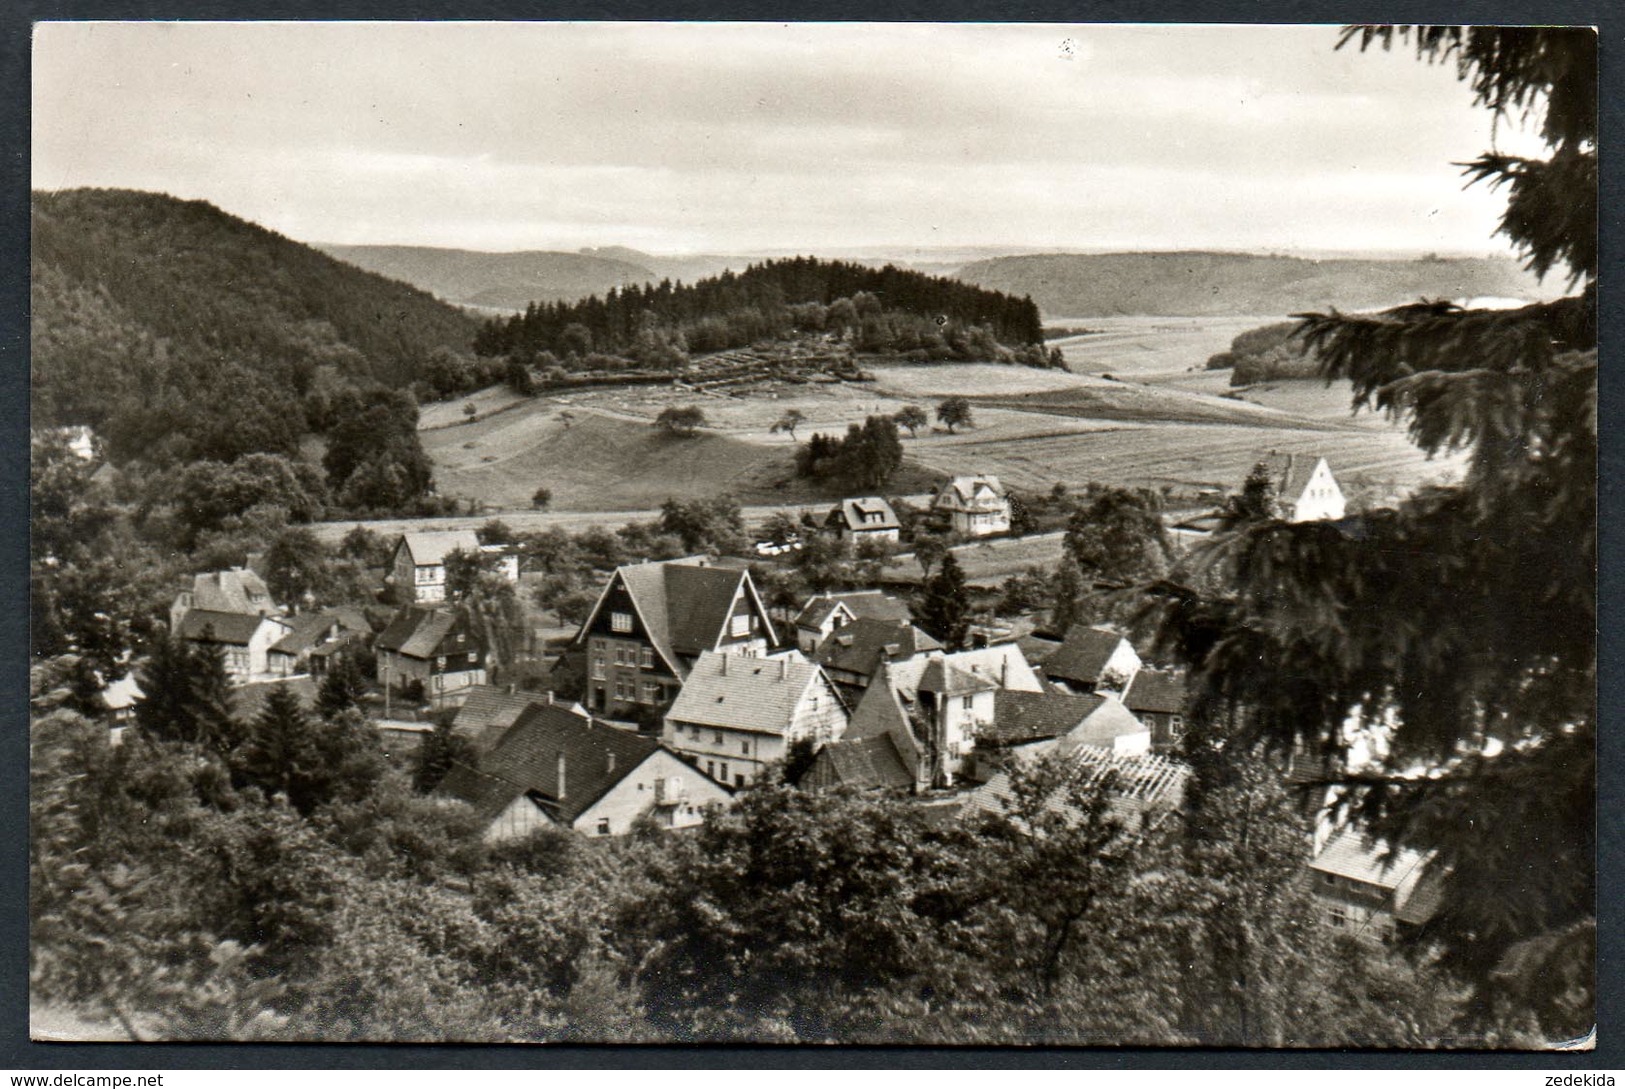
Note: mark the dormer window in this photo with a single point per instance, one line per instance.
(621, 622)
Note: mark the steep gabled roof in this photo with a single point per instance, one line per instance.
(1352, 854)
(489, 711)
(1021, 717)
(759, 694)
(943, 678)
(237, 590)
(869, 513)
(427, 549)
(305, 631)
(1155, 692)
(862, 604)
(1083, 655)
(971, 493)
(1290, 472)
(417, 631)
(233, 629)
(684, 605)
(864, 763)
(862, 645)
(526, 761)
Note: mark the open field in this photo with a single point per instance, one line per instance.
(1140, 348)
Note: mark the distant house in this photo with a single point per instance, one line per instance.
(1142, 789)
(853, 653)
(1029, 724)
(1304, 487)
(736, 715)
(975, 506)
(825, 613)
(435, 647)
(245, 639)
(1158, 699)
(556, 767)
(418, 565)
(1368, 891)
(652, 622)
(120, 698)
(307, 632)
(879, 751)
(236, 590)
(954, 707)
(867, 519)
(1003, 664)
(1092, 660)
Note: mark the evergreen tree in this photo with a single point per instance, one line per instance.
(280, 754)
(1257, 501)
(185, 694)
(945, 606)
(1070, 589)
(342, 688)
(1463, 619)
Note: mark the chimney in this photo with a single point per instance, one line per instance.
(550, 697)
(561, 777)
(724, 665)
(609, 766)
(784, 668)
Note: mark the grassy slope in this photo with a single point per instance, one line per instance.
(500, 280)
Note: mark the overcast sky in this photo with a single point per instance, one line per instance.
(765, 137)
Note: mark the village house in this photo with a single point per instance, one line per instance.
(652, 622)
(1002, 663)
(308, 632)
(1092, 660)
(1305, 489)
(1026, 725)
(435, 648)
(853, 653)
(418, 565)
(489, 710)
(1370, 892)
(557, 767)
(827, 612)
(735, 716)
(975, 506)
(119, 699)
(868, 519)
(244, 639)
(878, 751)
(238, 590)
(1157, 698)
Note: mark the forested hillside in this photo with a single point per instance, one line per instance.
(181, 333)
(504, 281)
(887, 309)
(1199, 284)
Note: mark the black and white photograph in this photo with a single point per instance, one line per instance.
(1009, 535)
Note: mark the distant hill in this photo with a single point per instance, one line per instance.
(165, 321)
(499, 281)
(1205, 284)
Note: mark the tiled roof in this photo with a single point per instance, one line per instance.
(526, 761)
(862, 604)
(1290, 472)
(1003, 664)
(868, 513)
(685, 606)
(237, 590)
(208, 626)
(1083, 655)
(1156, 692)
(860, 646)
(864, 763)
(416, 631)
(489, 711)
(307, 630)
(1037, 649)
(961, 491)
(758, 694)
(427, 549)
(945, 679)
(1109, 723)
(879, 711)
(247, 699)
(1140, 784)
(1019, 717)
(1352, 854)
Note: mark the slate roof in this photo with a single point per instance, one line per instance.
(525, 761)
(1105, 726)
(1083, 654)
(759, 694)
(427, 549)
(946, 679)
(1020, 717)
(864, 763)
(684, 605)
(417, 631)
(208, 626)
(862, 604)
(247, 699)
(1352, 854)
(1003, 664)
(1037, 649)
(871, 513)
(1156, 692)
(489, 711)
(879, 711)
(307, 631)
(237, 590)
(862, 645)
(1141, 784)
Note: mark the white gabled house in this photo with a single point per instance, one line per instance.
(975, 506)
(1304, 487)
(417, 569)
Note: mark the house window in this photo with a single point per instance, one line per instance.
(968, 702)
(651, 692)
(723, 767)
(597, 667)
(740, 625)
(739, 780)
(620, 621)
(440, 662)
(1328, 879)
(1337, 917)
(648, 658)
(473, 657)
(603, 826)
(1176, 726)
(711, 768)
(744, 748)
